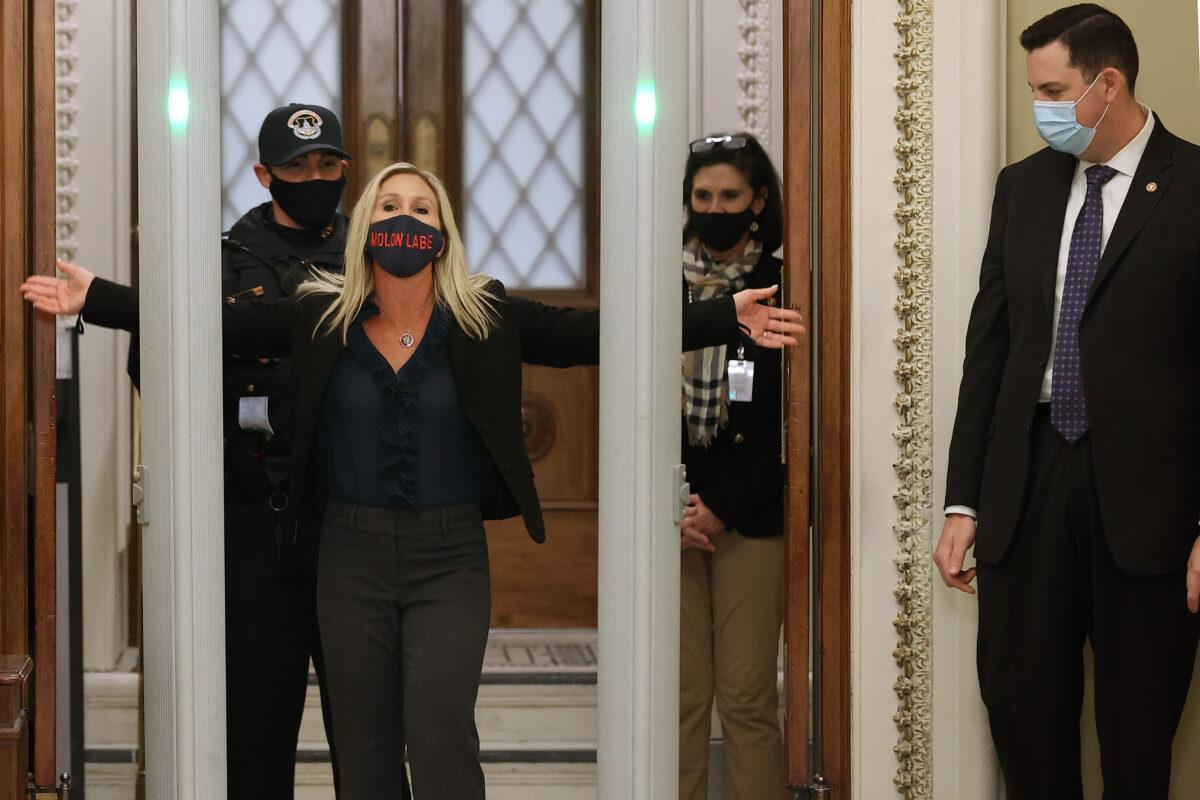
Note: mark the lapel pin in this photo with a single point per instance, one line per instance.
(1151, 187)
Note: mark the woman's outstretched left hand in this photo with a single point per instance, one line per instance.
(769, 326)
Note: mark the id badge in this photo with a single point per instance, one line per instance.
(253, 416)
(741, 378)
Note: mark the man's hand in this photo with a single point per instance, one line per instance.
(770, 327)
(53, 295)
(700, 525)
(1193, 578)
(958, 534)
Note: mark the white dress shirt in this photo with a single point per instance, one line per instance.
(1113, 194)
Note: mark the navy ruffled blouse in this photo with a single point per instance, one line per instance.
(400, 439)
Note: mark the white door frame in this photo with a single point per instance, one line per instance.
(643, 42)
(183, 572)
(179, 206)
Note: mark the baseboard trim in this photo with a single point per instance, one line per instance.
(320, 755)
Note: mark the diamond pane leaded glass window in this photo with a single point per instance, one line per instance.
(273, 52)
(523, 160)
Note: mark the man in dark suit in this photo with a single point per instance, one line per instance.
(1075, 459)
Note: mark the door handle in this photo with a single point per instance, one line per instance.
(137, 494)
(683, 491)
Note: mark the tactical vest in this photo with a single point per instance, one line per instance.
(258, 394)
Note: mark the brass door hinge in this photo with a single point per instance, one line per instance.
(817, 789)
(63, 792)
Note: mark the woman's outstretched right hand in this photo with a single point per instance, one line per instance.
(53, 295)
(767, 325)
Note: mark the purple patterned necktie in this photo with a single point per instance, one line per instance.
(1068, 405)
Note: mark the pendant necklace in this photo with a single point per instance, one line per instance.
(406, 338)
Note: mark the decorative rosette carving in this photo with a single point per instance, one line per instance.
(539, 425)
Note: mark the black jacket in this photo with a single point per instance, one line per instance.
(1139, 341)
(487, 373)
(740, 475)
(258, 258)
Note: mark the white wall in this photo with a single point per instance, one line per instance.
(967, 139)
(714, 65)
(968, 153)
(103, 125)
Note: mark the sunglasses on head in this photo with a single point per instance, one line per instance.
(727, 142)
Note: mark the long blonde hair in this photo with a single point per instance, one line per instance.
(463, 294)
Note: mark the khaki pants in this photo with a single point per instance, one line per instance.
(731, 612)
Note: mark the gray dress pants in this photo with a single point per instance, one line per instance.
(403, 601)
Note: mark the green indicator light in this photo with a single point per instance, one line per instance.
(645, 106)
(178, 104)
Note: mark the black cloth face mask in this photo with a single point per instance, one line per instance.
(311, 203)
(720, 231)
(403, 245)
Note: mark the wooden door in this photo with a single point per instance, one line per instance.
(27, 398)
(418, 78)
(817, 625)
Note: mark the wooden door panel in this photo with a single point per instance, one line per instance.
(27, 399)
(564, 448)
(818, 731)
(553, 585)
(371, 71)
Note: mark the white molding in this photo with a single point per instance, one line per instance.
(183, 568)
(961, 154)
(696, 68)
(914, 371)
(873, 416)
(65, 133)
(775, 125)
(66, 222)
(638, 679)
(102, 176)
(110, 717)
(754, 78)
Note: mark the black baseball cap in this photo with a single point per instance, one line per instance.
(296, 129)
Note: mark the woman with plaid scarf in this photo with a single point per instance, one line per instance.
(732, 535)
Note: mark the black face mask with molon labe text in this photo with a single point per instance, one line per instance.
(403, 245)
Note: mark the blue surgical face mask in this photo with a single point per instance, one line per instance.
(1059, 126)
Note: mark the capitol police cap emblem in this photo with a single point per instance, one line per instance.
(296, 129)
(305, 123)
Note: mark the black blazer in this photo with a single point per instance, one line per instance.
(1140, 345)
(740, 475)
(487, 373)
(254, 252)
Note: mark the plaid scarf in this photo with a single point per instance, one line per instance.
(705, 384)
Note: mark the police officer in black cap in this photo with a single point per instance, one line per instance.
(270, 575)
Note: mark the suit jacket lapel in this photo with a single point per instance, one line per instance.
(1140, 202)
(1052, 209)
